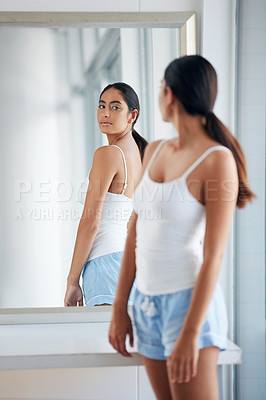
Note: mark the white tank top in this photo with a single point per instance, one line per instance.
(170, 232)
(117, 209)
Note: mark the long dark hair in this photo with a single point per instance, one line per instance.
(193, 81)
(132, 100)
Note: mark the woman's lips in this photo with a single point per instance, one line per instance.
(106, 123)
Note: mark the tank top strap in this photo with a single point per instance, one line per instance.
(156, 151)
(125, 165)
(203, 156)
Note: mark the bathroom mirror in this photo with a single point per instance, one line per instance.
(53, 69)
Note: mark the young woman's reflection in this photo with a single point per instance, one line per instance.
(103, 226)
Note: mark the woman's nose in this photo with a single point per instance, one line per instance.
(106, 112)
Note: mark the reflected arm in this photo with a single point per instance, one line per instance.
(103, 170)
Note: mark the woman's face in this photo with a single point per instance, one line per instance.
(113, 114)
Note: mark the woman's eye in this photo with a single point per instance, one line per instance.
(115, 107)
(101, 106)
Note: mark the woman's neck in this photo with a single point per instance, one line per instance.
(190, 130)
(115, 138)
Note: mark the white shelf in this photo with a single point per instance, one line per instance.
(70, 345)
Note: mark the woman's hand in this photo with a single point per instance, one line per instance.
(120, 327)
(182, 363)
(73, 296)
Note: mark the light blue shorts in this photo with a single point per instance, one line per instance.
(159, 320)
(100, 277)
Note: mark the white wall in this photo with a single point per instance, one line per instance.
(250, 273)
(68, 5)
(108, 383)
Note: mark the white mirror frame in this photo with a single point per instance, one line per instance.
(186, 22)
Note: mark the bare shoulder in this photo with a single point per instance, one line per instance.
(106, 154)
(149, 150)
(106, 151)
(221, 163)
(105, 161)
(152, 146)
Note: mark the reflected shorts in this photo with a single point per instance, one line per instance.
(100, 277)
(159, 320)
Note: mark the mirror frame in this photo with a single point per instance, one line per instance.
(186, 22)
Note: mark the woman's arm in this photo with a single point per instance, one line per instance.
(128, 267)
(221, 187)
(104, 167)
(120, 324)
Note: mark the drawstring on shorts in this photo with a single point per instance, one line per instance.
(148, 307)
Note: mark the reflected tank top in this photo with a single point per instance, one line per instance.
(170, 232)
(112, 232)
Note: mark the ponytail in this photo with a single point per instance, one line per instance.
(193, 81)
(218, 131)
(140, 141)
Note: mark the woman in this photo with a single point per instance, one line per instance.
(196, 180)
(103, 226)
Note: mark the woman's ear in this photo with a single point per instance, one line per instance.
(134, 115)
(170, 97)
